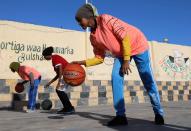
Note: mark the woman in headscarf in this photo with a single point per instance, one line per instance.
(28, 74)
(125, 42)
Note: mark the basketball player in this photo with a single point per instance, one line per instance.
(59, 63)
(125, 42)
(28, 74)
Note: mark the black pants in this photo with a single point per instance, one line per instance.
(64, 99)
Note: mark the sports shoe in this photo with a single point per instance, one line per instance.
(66, 111)
(30, 111)
(60, 110)
(117, 121)
(159, 120)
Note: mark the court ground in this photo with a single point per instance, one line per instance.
(140, 116)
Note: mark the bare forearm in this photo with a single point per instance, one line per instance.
(59, 74)
(53, 80)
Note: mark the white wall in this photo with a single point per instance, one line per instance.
(170, 62)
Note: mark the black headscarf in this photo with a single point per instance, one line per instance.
(48, 51)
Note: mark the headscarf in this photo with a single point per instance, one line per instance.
(14, 66)
(86, 11)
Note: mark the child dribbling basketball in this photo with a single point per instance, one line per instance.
(59, 63)
(28, 74)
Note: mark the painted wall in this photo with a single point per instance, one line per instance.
(171, 62)
(25, 42)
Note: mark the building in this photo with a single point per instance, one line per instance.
(25, 42)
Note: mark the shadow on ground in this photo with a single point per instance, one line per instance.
(134, 124)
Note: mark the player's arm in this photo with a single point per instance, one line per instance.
(93, 61)
(54, 79)
(59, 74)
(98, 59)
(90, 62)
(126, 54)
(31, 78)
(126, 48)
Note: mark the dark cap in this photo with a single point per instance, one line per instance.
(48, 51)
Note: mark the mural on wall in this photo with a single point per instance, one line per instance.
(24, 43)
(104, 71)
(177, 65)
(28, 52)
(0, 55)
(109, 58)
(107, 65)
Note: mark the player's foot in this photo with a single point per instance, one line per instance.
(30, 111)
(117, 121)
(159, 120)
(60, 110)
(66, 111)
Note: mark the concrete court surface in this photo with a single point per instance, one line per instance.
(140, 116)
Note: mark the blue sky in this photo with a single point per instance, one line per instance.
(156, 18)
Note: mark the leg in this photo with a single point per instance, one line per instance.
(118, 97)
(64, 99)
(32, 94)
(68, 108)
(117, 88)
(144, 68)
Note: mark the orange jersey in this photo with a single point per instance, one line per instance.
(24, 72)
(110, 33)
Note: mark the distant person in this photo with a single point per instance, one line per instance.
(59, 63)
(28, 74)
(125, 42)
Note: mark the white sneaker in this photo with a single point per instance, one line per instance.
(30, 111)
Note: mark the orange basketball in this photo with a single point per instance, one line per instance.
(19, 88)
(74, 74)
